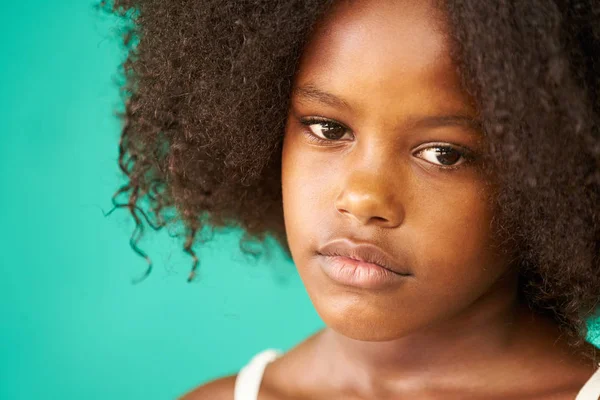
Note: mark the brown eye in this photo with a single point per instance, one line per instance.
(444, 156)
(325, 129)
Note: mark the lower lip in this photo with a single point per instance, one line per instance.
(351, 272)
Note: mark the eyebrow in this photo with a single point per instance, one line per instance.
(434, 121)
(312, 93)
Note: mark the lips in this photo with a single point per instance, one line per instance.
(366, 252)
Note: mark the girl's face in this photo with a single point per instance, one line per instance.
(381, 147)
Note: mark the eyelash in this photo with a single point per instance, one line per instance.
(465, 154)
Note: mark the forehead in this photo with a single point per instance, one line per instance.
(384, 48)
(379, 27)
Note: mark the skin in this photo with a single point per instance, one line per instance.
(381, 73)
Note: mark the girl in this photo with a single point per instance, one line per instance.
(432, 167)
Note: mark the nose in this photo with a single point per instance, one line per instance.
(370, 199)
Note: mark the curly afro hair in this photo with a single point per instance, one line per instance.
(207, 87)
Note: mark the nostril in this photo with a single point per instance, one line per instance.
(342, 211)
(379, 219)
(369, 208)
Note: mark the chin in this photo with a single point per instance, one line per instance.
(364, 334)
(359, 322)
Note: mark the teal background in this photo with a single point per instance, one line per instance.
(73, 325)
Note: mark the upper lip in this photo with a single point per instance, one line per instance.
(364, 251)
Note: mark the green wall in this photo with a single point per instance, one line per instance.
(73, 325)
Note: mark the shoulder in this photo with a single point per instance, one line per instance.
(224, 388)
(568, 376)
(219, 389)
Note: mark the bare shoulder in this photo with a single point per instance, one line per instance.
(219, 389)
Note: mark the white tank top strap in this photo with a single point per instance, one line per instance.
(250, 376)
(591, 389)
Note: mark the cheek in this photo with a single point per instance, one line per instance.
(306, 191)
(455, 260)
(452, 242)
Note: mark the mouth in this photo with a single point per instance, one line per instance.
(363, 265)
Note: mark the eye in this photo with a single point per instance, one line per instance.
(325, 129)
(445, 156)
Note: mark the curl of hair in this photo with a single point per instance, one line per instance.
(208, 86)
